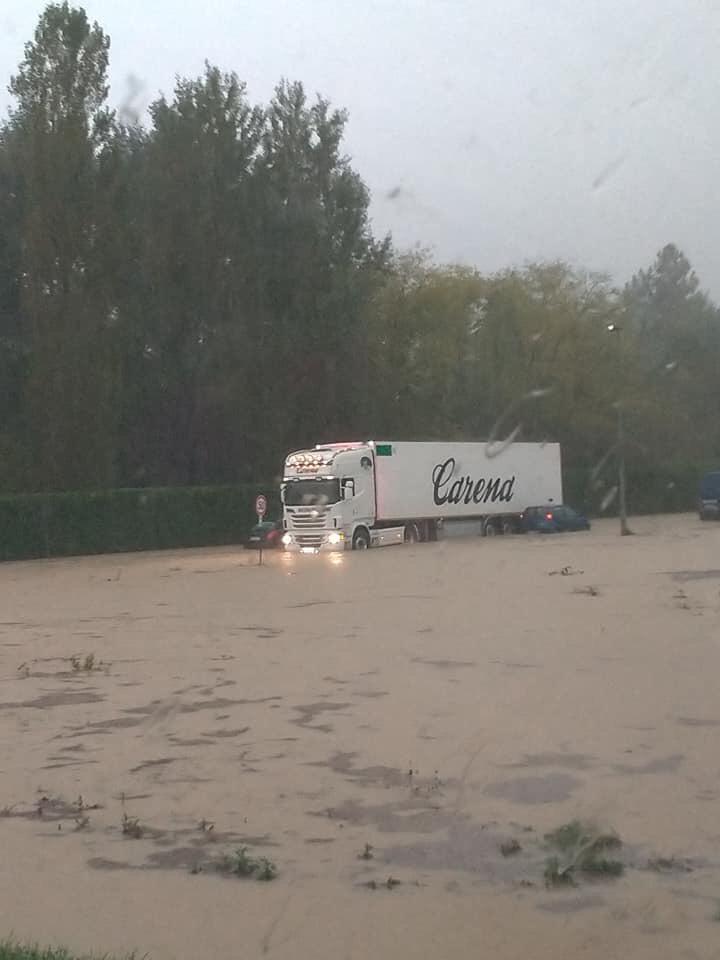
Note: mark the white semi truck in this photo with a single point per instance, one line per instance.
(358, 495)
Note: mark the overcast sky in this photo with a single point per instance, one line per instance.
(492, 131)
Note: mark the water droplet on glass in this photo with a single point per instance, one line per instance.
(608, 498)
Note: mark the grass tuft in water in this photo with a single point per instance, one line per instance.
(241, 864)
(11, 950)
(580, 849)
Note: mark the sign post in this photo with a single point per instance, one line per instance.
(260, 511)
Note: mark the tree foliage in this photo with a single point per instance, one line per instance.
(182, 301)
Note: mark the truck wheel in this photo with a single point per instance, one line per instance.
(412, 534)
(361, 539)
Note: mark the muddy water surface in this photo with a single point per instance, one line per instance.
(395, 731)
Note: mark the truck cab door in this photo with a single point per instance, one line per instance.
(359, 494)
(364, 499)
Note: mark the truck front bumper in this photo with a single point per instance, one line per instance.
(325, 541)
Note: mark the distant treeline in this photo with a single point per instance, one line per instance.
(183, 301)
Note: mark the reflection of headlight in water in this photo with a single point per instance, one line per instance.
(334, 537)
(336, 559)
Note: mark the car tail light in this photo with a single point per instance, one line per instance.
(548, 516)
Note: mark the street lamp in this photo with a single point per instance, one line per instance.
(625, 530)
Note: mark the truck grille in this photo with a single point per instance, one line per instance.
(308, 521)
(308, 527)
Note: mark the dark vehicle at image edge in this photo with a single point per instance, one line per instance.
(709, 498)
(552, 519)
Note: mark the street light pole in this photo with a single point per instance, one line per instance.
(625, 530)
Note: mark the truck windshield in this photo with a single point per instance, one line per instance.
(311, 493)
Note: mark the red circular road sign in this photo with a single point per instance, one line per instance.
(261, 505)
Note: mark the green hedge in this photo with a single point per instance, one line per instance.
(113, 521)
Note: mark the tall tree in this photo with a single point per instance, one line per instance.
(421, 325)
(665, 302)
(60, 126)
(14, 447)
(189, 349)
(677, 330)
(315, 270)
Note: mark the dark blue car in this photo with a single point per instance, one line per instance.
(709, 499)
(552, 519)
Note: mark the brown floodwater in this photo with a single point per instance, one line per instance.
(395, 731)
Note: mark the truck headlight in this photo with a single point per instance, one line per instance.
(287, 539)
(334, 538)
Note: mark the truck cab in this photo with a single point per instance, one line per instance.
(328, 495)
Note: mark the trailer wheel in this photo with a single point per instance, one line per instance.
(490, 529)
(361, 539)
(508, 527)
(412, 534)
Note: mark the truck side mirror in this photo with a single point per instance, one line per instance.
(348, 489)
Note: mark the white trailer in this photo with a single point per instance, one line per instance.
(375, 493)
